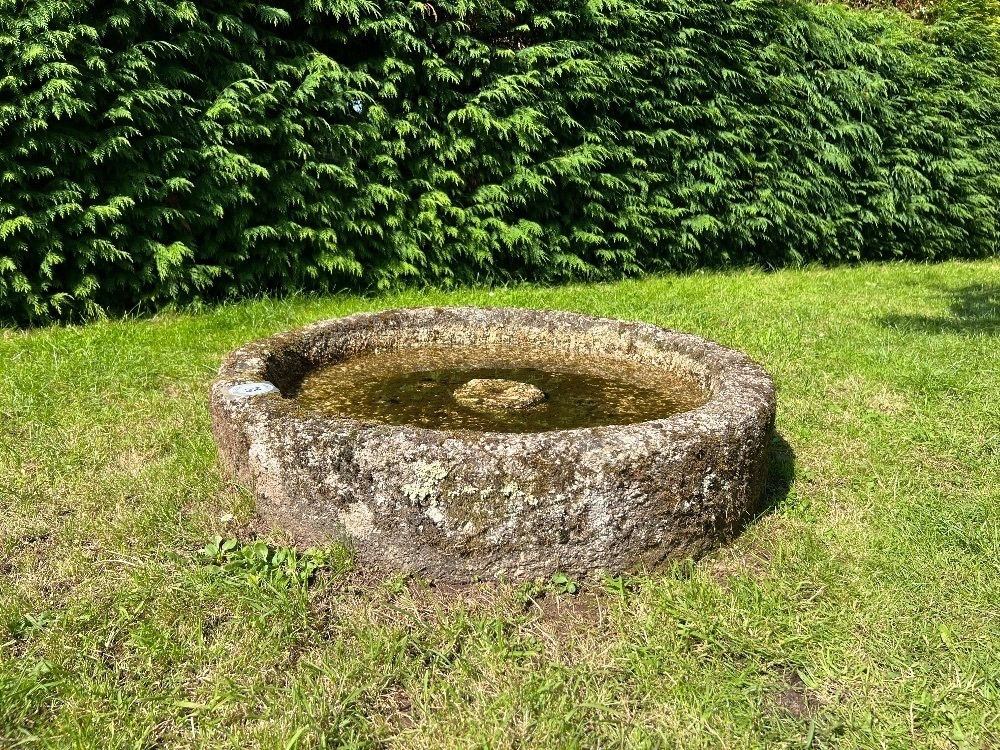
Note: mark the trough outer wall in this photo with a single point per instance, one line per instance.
(464, 505)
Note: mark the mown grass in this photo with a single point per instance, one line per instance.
(862, 609)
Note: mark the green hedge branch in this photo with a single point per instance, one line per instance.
(153, 152)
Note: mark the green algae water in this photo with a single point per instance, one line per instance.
(417, 387)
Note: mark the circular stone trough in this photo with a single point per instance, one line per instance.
(465, 504)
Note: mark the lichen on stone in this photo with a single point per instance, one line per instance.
(425, 488)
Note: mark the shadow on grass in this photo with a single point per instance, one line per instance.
(780, 475)
(777, 486)
(974, 309)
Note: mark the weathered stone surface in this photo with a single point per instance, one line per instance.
(497, 394)
(464, 504)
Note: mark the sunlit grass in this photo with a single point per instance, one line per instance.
(861, 610)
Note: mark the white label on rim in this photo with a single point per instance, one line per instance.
(244, 390)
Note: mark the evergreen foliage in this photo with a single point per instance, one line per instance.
(156, 150)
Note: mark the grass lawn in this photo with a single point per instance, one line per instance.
(861, 609)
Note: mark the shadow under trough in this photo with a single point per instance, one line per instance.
(780, 476)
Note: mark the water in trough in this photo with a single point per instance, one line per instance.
(494, 389)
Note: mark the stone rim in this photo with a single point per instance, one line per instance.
(737, 377)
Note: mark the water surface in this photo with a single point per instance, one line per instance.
(416, 387)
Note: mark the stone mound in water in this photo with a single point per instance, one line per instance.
(461, 503)
(498, 394)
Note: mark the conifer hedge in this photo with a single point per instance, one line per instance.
(156, 150)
